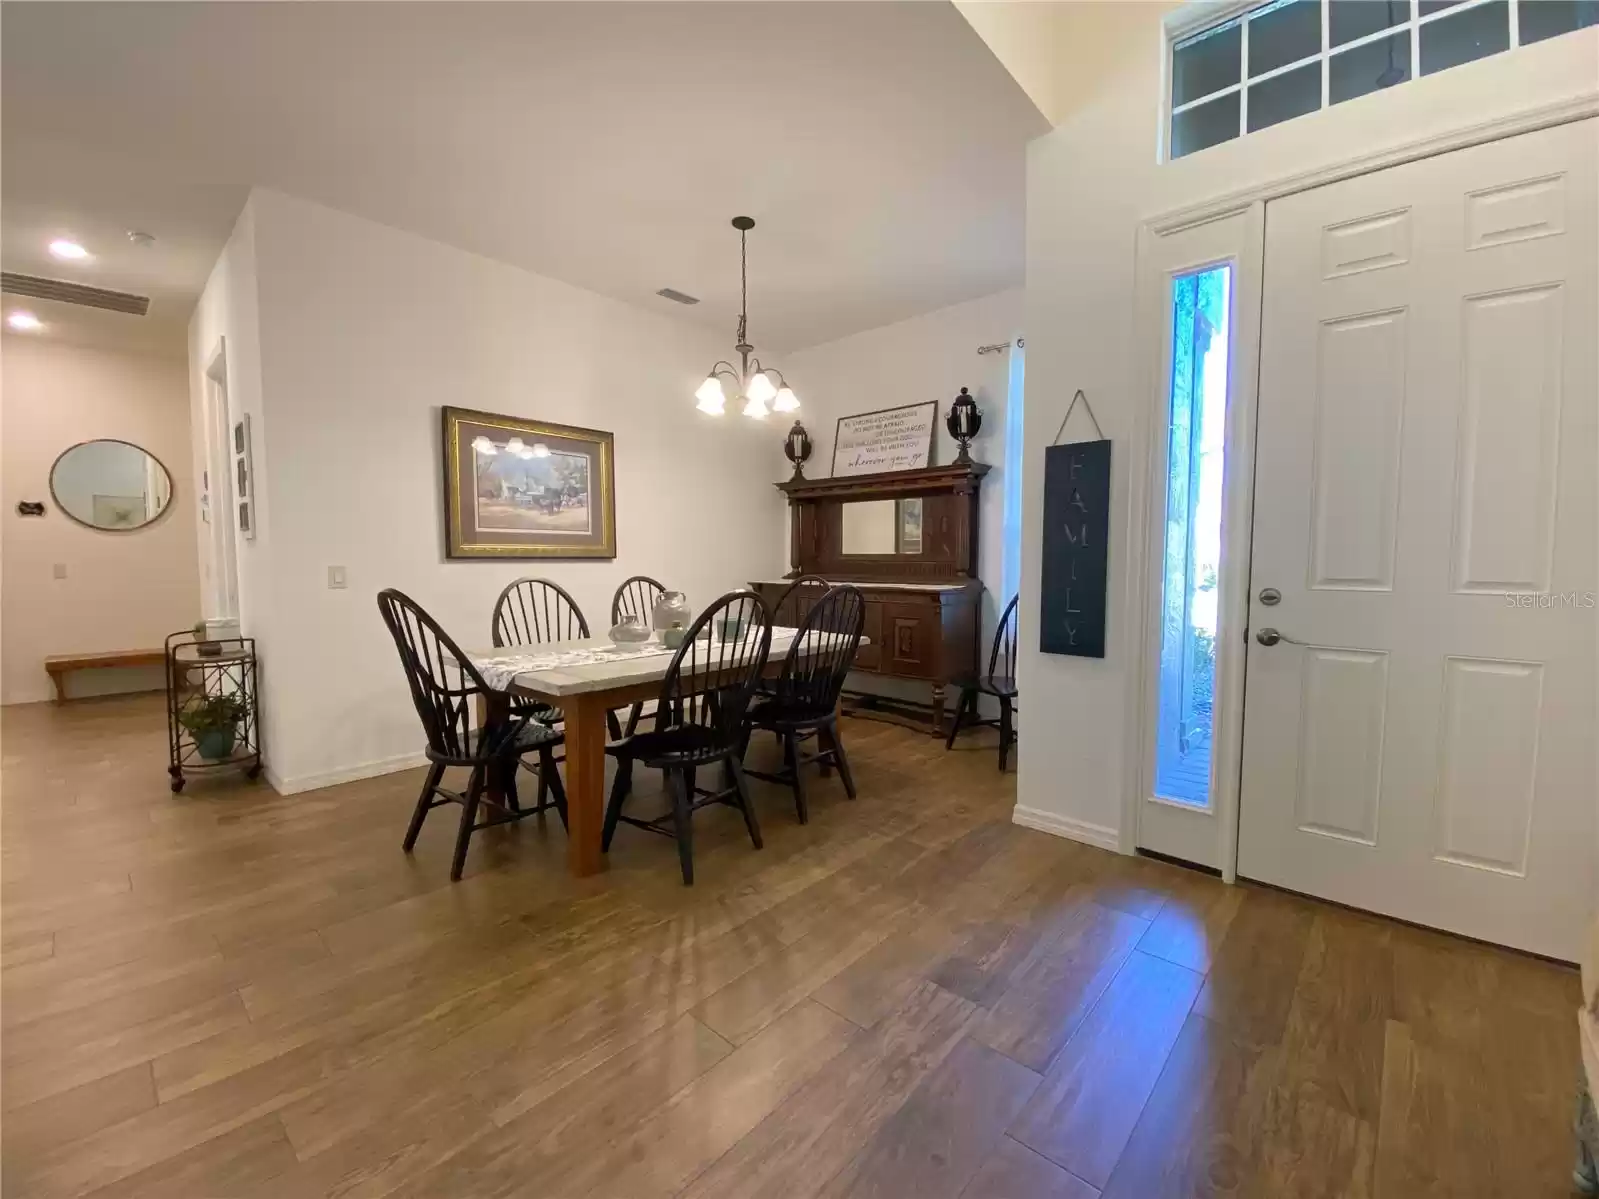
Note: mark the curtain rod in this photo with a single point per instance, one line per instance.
(997, 346)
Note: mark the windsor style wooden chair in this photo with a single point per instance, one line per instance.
(999, 681)
(698, 723)
(446, 706)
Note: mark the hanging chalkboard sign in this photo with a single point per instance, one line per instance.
(1076, 531)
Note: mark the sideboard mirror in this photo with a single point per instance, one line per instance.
(881, 527)
(111, 485)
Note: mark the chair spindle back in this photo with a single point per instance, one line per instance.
(533, 611)
(823, 651)
(710, 681)
(636, 597)
(1002, 657)
(790, 608)
(428, 656)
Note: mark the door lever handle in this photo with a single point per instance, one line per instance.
(1270, 636)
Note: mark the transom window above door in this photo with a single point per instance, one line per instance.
(1268, 64)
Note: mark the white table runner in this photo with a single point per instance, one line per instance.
(501, 668)
(498, 672)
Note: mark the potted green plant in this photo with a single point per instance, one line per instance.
(213, 722)
(203, 645)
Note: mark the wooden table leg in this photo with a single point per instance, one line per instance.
(493, 708)
(585, 782)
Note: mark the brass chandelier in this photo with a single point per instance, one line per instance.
(753, 384)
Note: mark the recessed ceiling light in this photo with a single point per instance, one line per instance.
(24, 322)
(70, 250)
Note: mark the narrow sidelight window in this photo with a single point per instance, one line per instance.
(1197, 412)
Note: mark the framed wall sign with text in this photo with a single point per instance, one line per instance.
(870, 443)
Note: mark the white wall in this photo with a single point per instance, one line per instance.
(364, 333)
(123, 590)
(929, 357)
(226, 321)
(1059, 51)
(1091, 182)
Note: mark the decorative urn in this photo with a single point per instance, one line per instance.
(797, 448)
(671, 611)
(964, 421)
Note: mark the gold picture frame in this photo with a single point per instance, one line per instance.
(537, 490)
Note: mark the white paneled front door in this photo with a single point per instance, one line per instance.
(1420, 741)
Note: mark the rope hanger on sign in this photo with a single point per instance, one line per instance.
(1072, 407)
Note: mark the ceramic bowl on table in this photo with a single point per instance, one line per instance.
(630, 631)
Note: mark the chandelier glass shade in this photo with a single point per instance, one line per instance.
(759, 388)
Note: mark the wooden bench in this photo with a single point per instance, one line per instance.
(61, 665)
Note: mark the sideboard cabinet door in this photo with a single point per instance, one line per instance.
(870, 657)
(911, 636)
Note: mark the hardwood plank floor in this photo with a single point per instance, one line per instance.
(229, 994)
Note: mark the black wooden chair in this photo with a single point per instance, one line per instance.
(791, 607)
(699, 720)
(1000, 682)
(790, 610)
(429, 657)
(535, 611)
(532, 612)
(635, 597)
(804, 699)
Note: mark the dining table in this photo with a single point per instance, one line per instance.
(586, 679)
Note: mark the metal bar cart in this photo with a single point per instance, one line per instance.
(212, 708)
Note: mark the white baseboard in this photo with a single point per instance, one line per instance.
(344, 774)
(1099, 835)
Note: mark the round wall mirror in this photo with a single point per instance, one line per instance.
(113, 485)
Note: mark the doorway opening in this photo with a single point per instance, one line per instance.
(217, 498)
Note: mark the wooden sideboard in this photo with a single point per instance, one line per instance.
(922, 606)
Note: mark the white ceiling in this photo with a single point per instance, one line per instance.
(880, 146)
(54, 189)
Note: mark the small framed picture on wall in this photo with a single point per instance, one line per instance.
(244, 477)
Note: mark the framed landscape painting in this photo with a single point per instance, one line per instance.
(517, 488)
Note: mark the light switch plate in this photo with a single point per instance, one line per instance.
(59, 570)
(336, 578)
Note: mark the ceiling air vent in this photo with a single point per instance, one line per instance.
(680, 297)
(73, 293)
